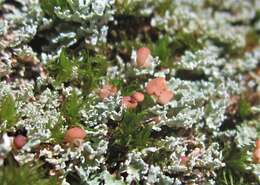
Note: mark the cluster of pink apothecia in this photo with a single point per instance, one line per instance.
(157, 87)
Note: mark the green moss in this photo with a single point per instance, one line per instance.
(235, 171)
(163, 51)
(91, 70)
(71, 108)
(61, 69)
(244, 108)
(117, 82)
(252, 40)
(88, 70)
(56, 132)
(227, 177)
(160, 157)
(186, 41)
(25, 175)
(8, 111)
(132, 132)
